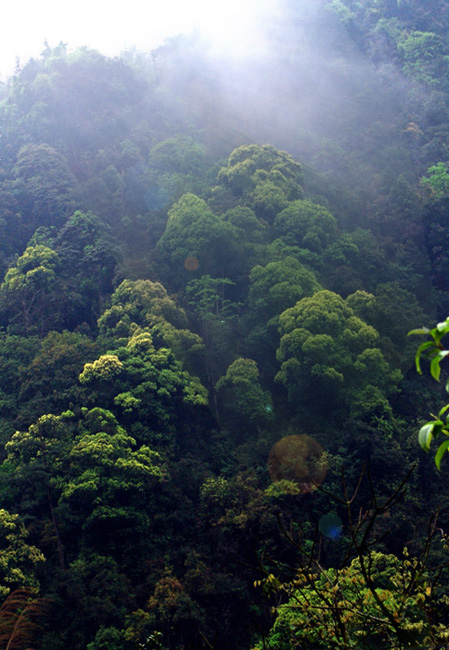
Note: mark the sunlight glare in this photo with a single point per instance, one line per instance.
(236, 28)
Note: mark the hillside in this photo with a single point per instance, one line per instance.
(208, 400)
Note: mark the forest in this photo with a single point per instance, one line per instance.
(213, 421)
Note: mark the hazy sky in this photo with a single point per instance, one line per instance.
(113, 26)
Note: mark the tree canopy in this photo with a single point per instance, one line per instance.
(210, 422)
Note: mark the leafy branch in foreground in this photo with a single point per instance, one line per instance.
(371, 601)
(435, 352)
(19, 619)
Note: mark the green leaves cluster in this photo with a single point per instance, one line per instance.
(435, 352)
(437, 180)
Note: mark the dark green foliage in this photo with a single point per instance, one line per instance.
(266, 178)
(244, 406)
(73, 269)
(49, 382)
(306, 225)
(273, 289)
(43, 184)
(325, 346)
(145, 304)
(176, 166)
(27, 290)
(277, 286)
(177, 296)
(147, 387)
(193, 231)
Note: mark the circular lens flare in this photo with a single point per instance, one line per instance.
(330, 525)
(191, 263)
(300, 459)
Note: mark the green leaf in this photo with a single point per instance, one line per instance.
(438, 427)
(443, 327)
(443, 411)
(424, 346)
(425, 436)
(435, 369)
(423, 330)
(440, 453)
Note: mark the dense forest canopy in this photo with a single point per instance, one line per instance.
(208, 400)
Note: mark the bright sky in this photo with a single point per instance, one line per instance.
(114, 26)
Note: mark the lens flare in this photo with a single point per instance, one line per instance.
(330, 525)
(300, 459)
(191, 263)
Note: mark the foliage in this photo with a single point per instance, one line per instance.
(424, 56)
(277, 286)
(20, 616)
(244, 405)
(145, 304)
(43, 184)
(253, 169)
(435, 351)
(323, 343)
(306, 225)
(437, 180)
(18, 558)
(337, 609)
(179, 296)
(370, 599)
(194, 231)
(27, 287)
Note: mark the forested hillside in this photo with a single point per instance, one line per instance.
(209, 407)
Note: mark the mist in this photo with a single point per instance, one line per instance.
(302, 85)
(218, 225)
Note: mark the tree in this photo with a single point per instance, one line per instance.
(436, 242)
(251, 165)
(389, 310)
(216, 318)
(148, 388)
(44, 184)
(245, 408)
(108, 481)
(49, 381)
(325, 346)
(141, 303)
(16, 353)
(18, 559)
(267, 200)
(273, 289)
(248, 226)
(306, 225)
(370, 599)
(278, 286)
(424, 57)
(39, 457)
(193, 231)
(437, 180)
(177, 165)
(26, 290)
(146, 304)
(94, 477)
(87, 263)
(389, 607)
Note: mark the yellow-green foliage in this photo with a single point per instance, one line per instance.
(378, 601)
